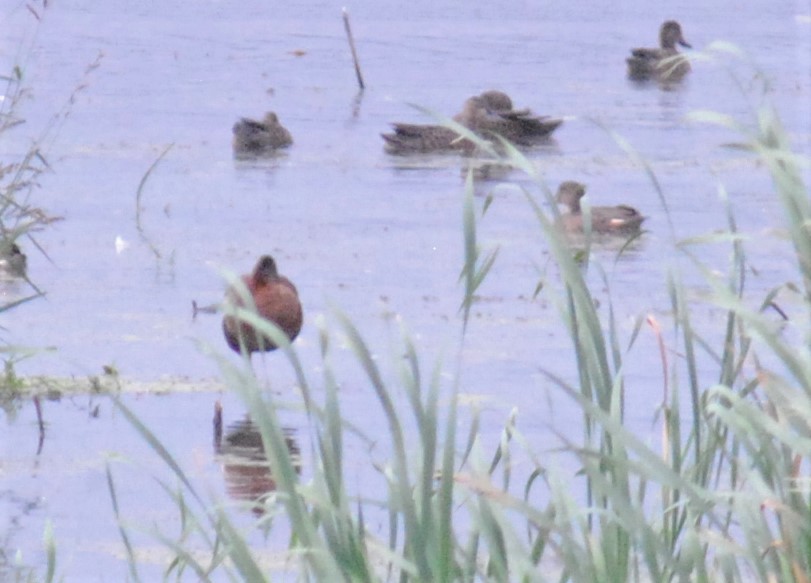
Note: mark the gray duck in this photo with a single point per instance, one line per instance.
(13, 262)
(257, 138)
(651, 63)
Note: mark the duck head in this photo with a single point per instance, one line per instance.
(670, 34)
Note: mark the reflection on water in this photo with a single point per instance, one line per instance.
(241, 455)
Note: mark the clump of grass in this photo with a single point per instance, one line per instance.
(19, 175)
(21, 217)
(731, 496)
(725, 496)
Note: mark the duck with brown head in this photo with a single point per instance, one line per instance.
(617, 220)
(276, 300)
(659, 63)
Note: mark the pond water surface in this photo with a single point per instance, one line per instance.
(375, 236)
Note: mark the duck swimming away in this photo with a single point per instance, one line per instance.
(653, 64)
(276, 300)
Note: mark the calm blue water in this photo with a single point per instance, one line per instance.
(375, 236)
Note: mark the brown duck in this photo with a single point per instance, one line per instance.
(276, 299)
(620, 219)
(257, 138)
(520, 126)
(411, 138)
(652, 64)
(486, 114)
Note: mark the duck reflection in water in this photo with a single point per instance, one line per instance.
(241, 454)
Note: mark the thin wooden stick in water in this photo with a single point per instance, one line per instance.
(352, 46)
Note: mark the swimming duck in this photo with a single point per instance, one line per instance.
(256, 138)
(13, 262)
(421, 138)
(486, 114)
(648, 63)
(276, 299)
(620, 219)
(519, 126)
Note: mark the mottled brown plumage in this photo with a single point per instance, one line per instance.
(653, 63)
(519, 126)
(409, 138)
(486, 114)
(276, 299)
(257, 138)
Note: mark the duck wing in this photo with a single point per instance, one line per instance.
(416, 138)
(251, 135)
(647, 54)
(519, 125)
(620, 218)
(248, 125)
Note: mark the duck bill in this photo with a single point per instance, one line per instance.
(684, 43)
